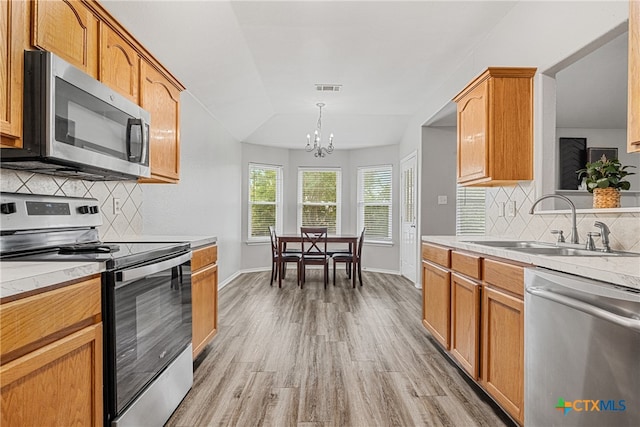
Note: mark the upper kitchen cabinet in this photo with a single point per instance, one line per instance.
(633, 111)
(119, 63)
(15, 39)
(495, 128)
(69, 29)
(161, 98)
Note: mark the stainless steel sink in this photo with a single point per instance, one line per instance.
(512, 244)
(560, 251)
(540, 248)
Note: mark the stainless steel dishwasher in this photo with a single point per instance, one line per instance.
(582, 351)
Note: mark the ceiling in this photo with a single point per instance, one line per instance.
(254, 64)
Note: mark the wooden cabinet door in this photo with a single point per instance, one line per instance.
(204, 297)
(472, 134)
(633, 122)
(465, 323)
(162, 100)
(436, 302)
(68, 29)
(59, 384)
(14, 28)
(119, 64)
(503, 350)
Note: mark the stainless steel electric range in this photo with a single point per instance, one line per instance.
(146, 307)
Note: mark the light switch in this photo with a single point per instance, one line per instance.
(442, 200)
(501, 209)
(511, 208)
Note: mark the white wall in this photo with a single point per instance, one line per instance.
(378, 257)
(207, 200)
(438, 178)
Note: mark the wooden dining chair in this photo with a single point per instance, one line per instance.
(284, 258)
(347, 258)
(314, 250)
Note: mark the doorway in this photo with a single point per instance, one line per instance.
(408, 246)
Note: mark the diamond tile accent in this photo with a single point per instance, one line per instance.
(625, 227)
(129, 192)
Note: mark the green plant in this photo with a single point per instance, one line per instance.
(605, 173)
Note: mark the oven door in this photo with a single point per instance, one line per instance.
(149, 324)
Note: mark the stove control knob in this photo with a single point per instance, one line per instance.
(83, 209)
(8, 208)
(93, 209)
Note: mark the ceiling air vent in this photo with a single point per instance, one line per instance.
(328, 88)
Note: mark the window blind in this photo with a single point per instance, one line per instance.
(470, 210)
(265, 200)
(375, 202)
(319, 198)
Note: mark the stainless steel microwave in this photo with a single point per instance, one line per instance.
(75, 126)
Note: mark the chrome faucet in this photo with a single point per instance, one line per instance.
(574, 228)
(604, 234)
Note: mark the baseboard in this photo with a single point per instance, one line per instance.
(229, 279)
(379, 270)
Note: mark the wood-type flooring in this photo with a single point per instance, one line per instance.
(334, 357)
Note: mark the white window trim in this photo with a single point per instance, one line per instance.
(279, 200)
(338, 203)
(360, 209)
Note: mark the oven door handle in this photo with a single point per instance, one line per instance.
(140, 272)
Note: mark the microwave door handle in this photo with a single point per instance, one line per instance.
(130, 124)
(144, 142)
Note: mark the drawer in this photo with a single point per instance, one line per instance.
(203, 257)
(437, 254)
(32, 322)
(467, 264)
(504, 275)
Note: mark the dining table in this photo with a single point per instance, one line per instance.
(350, 239)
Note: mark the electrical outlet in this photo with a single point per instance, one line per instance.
(442, 200)
(501, 209)
(117, 208)
(511, 208)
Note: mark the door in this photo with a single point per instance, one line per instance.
(408, 244)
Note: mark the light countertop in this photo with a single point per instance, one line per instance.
(25, 276)
(623, 271)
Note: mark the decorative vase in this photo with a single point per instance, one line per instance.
(606, 197)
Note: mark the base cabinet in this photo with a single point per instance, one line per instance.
(465, 323)
(204, 297)
(474, 307)
(51, 372)
(436, 294)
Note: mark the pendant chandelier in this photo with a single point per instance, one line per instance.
(317, 148)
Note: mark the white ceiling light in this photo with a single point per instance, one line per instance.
(317, 148)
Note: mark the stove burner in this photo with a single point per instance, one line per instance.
(89, 248)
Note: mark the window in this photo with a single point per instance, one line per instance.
(470, 210)
(374, 202)
(319, 198)
(265, 200)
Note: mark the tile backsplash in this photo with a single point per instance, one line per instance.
(625, 227)
(129, 222)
